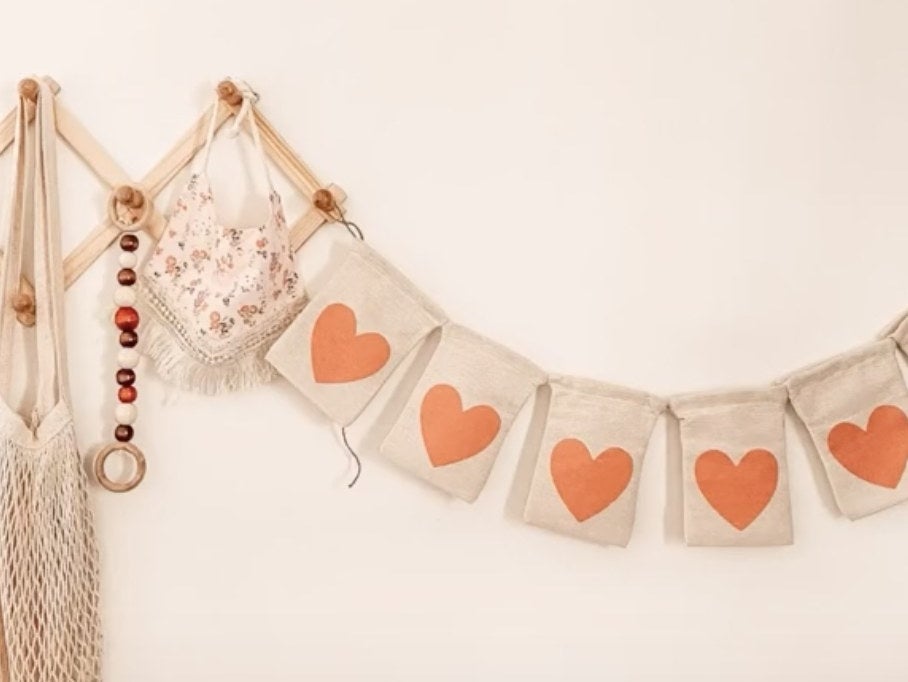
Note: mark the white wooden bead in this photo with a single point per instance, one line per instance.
(128, 259)
(126, 413)
(128, 358)
(125, 296)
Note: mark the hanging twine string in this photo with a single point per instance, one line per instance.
(325, 202)
(353, 455)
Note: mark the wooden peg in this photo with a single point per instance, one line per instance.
(230, 93)
(127, 208)
(324, 200)
(24, 305)
(28, 89)
(130, 196)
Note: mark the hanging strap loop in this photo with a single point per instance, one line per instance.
(235, 92)
(35, 183)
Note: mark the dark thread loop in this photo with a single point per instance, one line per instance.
(359, 465)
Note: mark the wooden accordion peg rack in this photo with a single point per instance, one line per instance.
(131, 204)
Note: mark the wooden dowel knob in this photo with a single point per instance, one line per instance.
(130, 196)
(128, 208)
(23, 303)
(230, 93)
(124, 194)
(324, 200)
(28, 89)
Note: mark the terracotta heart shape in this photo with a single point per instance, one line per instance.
(738, 492)
(587, 485)
(338, 353)
(450, 433)
(877, 454)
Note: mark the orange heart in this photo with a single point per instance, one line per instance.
(587, 485)
(739, 492)
(450, 433)
(877, 455)
(339, 354)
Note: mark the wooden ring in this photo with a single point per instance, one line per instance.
(134, 199)
(137, 457)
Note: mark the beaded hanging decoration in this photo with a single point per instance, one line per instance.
(129, 211)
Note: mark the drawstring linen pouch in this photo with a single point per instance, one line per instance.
(49, 581)
(342, 347)
(854, 405)
(735, 475)
(216, 297)
(452, 426)
(588, 469)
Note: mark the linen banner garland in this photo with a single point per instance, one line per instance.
(346, 342)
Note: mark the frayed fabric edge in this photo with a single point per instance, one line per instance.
(180, 369)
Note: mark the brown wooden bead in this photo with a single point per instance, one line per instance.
(127, 394)
(123, 433)
(324, 200)
(126, 277)
(126, 377)
(129, 242)
(126, 319)
(128, 339)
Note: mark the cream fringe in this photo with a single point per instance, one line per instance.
(49, 582)
(176, 366)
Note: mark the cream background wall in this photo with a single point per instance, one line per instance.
(673, 196)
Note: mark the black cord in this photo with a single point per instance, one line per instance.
(359, 465)
(352, 228)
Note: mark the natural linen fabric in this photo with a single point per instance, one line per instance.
(452, 426)
(49, 583)
(213, 297)
(341, 349)
(854, 405)
(734, 471)
(588, 468)
(898, 331)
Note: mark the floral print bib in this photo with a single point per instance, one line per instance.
(215, 297)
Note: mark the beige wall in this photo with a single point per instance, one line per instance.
(669, 195)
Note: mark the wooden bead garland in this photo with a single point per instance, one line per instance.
(127, 320)
(128, 211)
